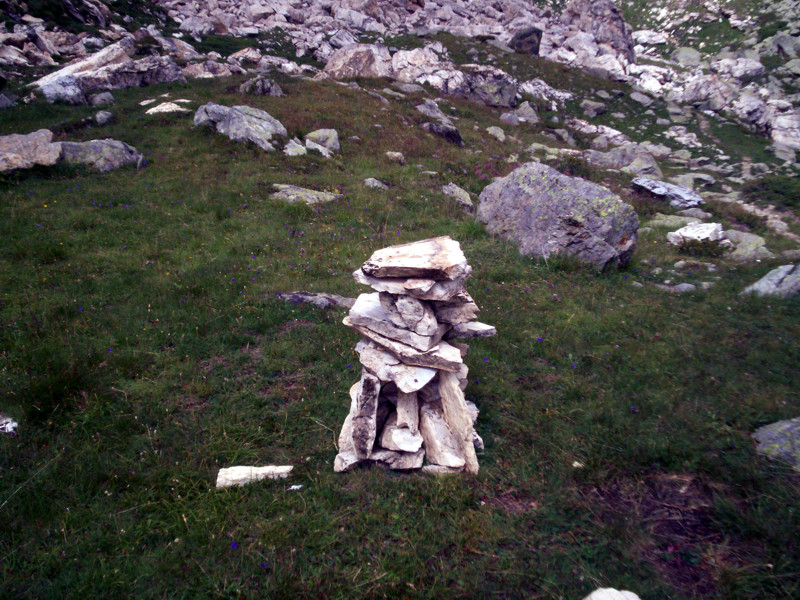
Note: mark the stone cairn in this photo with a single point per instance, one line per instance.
(409, 405)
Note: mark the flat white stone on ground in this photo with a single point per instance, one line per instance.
(165, 107)
(8, 425)
(611, 594)
(435, 258)
(242, 475)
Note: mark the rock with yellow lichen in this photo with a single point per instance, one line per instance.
(546, 213)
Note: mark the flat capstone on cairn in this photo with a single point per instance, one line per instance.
(408, 411)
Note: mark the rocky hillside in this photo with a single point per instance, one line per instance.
(700, 94)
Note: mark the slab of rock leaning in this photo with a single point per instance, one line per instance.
(241, 124)
(546, 213)
(408, 412)
(678, 196)
(780, 440)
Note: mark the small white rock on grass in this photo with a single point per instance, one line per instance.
(8, 425)
(611, 594)
(242, 475)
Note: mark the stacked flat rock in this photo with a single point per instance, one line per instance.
(408, 411)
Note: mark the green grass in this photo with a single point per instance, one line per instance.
(145, 345)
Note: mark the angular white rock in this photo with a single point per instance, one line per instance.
(424, 289)
(435, 258)
(418, 315)
(472, 329)
(441, 445)
(368, 312)
(8, 425)
(387, 367)
(398, 461)
(408, 411)
(459, 311)
(611, 594)
(698, 232)
(441, 356)
(244, 475)
(399, 438)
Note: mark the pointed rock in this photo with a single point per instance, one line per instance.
(458, 418)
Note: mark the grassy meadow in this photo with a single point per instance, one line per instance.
(145, 344)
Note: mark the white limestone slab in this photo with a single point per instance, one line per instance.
(242, 475)
(434, 258)
(387, 367)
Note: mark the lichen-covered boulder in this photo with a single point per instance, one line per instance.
(241, 123)
(780, 440)
(547, 213)
(102, 155)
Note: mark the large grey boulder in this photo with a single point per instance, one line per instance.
(547, 213)
(241, 124)
(150, 70)
(782, 282)
(19, 151)
(65, 90)
(780, 440)
(677, 196)
(102, 155)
